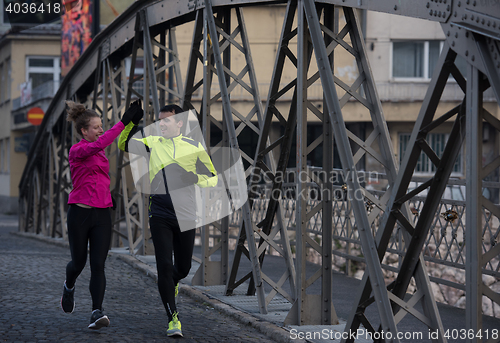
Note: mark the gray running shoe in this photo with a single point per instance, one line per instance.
(98, 320)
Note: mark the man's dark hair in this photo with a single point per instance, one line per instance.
(172, 108)
(177, 110)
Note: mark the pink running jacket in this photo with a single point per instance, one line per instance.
(90, 170)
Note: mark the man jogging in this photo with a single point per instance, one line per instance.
(176, 164)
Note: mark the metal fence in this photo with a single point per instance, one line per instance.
(444, 250)
(387, 91)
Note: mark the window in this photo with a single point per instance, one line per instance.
(7, 80)
(417, 59)
(414, 59)
(4, 155)
(2, 81)
(41, 70)
(5, 18)
(437, 142)
(7, 155)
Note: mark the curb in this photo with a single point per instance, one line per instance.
(54, 241)
(273, 331)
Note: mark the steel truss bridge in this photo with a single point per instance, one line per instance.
(317, 29)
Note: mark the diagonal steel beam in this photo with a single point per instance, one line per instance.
(400, 186)
(334, 111)
(233, 144)
(264, 161)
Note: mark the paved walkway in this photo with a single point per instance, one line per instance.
(32, 271)
(343, 295)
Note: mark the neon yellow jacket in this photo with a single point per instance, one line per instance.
(169, 159)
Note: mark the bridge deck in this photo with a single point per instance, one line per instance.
(343, 294)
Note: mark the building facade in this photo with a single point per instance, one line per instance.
(30, 75)
(403, 52)
(28, 56)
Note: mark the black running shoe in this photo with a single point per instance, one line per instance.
(98, 320)
(68, 299)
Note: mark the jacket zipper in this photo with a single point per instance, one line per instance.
(173, 143)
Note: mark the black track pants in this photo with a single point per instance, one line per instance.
(168, 239)
(93, 226)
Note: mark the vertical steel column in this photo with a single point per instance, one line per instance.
(106, 89)
(267, 234)
(473, 203)
(29, 206)
(304, 311)
(396, 210)
(484, 248)
(149, 64)
(201, 31)
(97, 78)
(225, 18)
(114, 87)
(52, 181)
(174, 65)
(354, 189)
(36, 200)
(162, 63)
(135, 47)
(121, 184)
(194, 57)
(42, 206)
(60, 172)
(233, 144)
(214, 272)
(150, 88)
(50, 204)
(301, 311)
(263, 155)
(331, 18)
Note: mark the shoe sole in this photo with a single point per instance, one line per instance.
(99, 323)
(175, 334)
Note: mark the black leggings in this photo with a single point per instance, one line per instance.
(168, 238)
(93, 226)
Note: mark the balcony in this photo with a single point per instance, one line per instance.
(43, 91)
(415, 91)
(41, 96)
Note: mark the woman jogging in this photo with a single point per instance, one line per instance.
(89, 218)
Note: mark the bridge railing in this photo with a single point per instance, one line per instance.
(443, 252)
